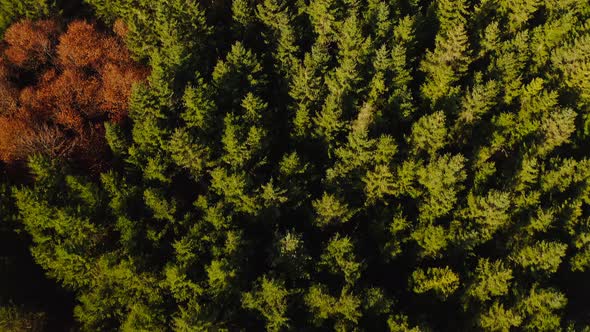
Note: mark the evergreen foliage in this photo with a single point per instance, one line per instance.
(348, 165)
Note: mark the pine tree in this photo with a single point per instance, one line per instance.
(491, 279)
(446, 64)
(271, 302)
(442, 281)
(540, 307)
(541, 257)
(429, 134)
(339, 258)
(519, 12)
(276, 15)
(441, 179)
(330, 210)
(498, 318)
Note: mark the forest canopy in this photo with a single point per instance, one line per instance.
(59, 87)
(329, 165)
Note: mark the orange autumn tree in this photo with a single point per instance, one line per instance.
(58, 86)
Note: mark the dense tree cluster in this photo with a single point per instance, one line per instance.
(348, 165)
(58, 88)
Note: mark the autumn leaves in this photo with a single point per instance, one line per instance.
(58, 85)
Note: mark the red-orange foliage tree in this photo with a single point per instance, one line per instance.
(58, 88)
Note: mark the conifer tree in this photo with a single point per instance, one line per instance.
(303, 165)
